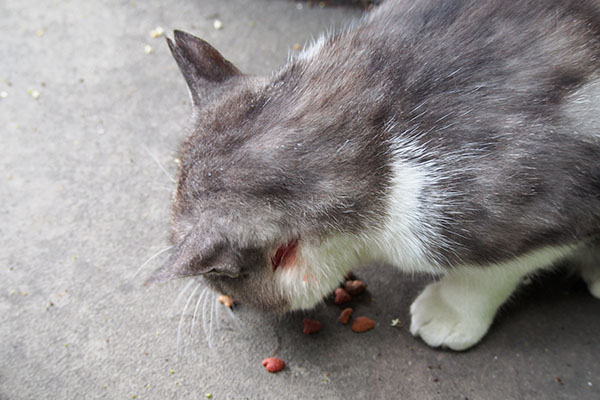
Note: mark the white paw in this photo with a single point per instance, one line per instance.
(457, 326)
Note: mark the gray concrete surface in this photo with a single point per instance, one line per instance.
(84, 204)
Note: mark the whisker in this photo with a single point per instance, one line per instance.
(200, 297)
(210, 322)
(185, 288)
(159, 164)
(212, 318)
(204, 322)
(183, 315)
(238, 322)
(150, 259)
(217, 312)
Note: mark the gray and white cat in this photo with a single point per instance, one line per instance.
(459, 138)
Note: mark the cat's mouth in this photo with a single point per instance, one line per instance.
(285, 255)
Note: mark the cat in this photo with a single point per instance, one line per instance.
(455, 138)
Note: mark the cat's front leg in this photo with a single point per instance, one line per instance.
(458, 310)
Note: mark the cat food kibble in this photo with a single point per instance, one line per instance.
(225, 300)
(311, 326)
(273, 364)
(341, 296)
(362, 324)
(354, 287)
(344, 317)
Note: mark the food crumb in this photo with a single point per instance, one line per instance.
(171, 371)
(34, 93)
(344, 317)
(3, 94)
(157, 32)
(208, 395)
(396, 323)
(559, 380)
(341, 296)
(363, 324)
(148, 49)
(273, 364)
(297, 46)
(311, 326)
(227, 301)
(217, 24)
(589, 383)
(354, 287)
(40, 32)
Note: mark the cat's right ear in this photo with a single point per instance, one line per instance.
(205, 70)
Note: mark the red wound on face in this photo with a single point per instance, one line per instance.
(285, 254)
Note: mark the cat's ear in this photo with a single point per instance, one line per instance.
(202, 66)
(198, 254)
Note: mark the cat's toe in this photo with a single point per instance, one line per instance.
(441, 324)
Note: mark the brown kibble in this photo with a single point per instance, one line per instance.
(363, 324)
(355, 287)
(311, 326)
(344, 317)
(341, 296)
(225, 300)
(273, 364)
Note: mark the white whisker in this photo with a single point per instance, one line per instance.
(183, 314)
(210, 320)
(159, 164)
(200, 297)
(204, 322)
(150, 259)
(235, 319)
(185, 288)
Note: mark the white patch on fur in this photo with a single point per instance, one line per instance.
(583, 108)
(458, 310)
(400, 240)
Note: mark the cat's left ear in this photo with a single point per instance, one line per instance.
(205, 70)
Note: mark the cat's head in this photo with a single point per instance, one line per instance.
(261, 207)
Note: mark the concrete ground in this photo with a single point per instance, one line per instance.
(84, 114)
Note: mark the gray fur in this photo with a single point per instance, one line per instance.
(502, 95)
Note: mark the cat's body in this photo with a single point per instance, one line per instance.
(459, 138)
